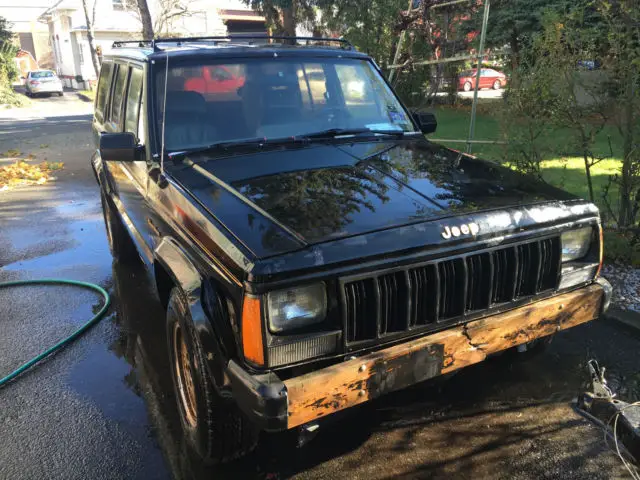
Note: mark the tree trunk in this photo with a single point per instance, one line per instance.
(626, 181)
(145, 18)
(587, 171)
(515, 51)
(289, 19)
(91, 38)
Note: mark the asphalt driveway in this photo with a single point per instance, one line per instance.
(103, 407)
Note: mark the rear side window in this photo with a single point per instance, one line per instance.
(118, 94)
(103, 89)
(133, 101)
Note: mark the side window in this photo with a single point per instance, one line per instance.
(103, 89)
(133, 101)
(119, 86)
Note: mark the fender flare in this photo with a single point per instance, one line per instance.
(186, 276)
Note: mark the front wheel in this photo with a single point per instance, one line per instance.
(60, 94)
(497, 85)
(467, 86)
(214, 428)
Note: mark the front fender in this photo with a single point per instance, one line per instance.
(183, 273)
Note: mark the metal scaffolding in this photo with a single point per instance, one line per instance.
(478, 56)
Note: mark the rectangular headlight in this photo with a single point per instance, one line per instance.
(576, 243)
(296, 307)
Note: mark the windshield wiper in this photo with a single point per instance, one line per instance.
(344, 132)
(225, 146)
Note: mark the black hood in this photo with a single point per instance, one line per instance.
(325, 192)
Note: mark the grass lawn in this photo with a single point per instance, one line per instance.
(566, 172)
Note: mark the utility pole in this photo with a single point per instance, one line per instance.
(483, 34)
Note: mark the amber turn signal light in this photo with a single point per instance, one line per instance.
(252, 343)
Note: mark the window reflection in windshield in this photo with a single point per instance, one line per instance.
(273, 98)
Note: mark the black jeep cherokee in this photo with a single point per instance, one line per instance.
(312, 249)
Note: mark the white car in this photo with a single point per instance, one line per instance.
(42, 81)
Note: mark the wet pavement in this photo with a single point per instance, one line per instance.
(103, 407)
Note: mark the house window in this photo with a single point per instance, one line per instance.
(118, 4)
(81, 53)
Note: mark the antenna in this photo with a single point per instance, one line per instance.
(164, 111)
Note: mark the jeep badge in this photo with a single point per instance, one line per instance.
(464, 229)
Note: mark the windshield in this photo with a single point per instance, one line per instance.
(270, 98)
(41, 74)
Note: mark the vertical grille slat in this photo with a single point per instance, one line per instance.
(394, 301)
(478, 281)
(424, 288)
(452, 288)
(361, 314)
(388, 303)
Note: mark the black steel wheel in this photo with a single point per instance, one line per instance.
(213, 426)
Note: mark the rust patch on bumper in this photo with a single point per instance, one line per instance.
(350, 383)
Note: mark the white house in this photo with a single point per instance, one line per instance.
(31, 35)
(118, 20)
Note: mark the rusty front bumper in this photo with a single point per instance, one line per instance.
(279, 405)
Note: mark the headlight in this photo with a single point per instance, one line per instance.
(296, 307)
(576, 243)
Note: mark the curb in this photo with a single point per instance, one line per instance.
(627, 318)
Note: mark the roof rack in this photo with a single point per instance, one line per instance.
(234, 39)
(137, 43)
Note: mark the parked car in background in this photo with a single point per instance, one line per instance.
(489, 78)
(214, 79)
(42, 81)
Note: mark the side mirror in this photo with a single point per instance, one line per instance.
(426, 121)
(120, 147)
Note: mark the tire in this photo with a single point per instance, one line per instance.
(467, 86)
(28, 93)
(213, 426)
(497, 85)
(60, 94)
(120, 243)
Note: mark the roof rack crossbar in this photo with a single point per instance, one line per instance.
(138, 43)
(247, 39)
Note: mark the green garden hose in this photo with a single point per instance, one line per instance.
(96, 318)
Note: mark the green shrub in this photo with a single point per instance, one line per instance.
(9, 97)
(621, 247)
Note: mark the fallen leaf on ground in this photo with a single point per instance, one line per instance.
(23, 173)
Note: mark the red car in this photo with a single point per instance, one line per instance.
(489, 78)
(214, 79)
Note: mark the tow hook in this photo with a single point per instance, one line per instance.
(621, 417)
(307, 433)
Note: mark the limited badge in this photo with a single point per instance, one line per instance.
(464, 229)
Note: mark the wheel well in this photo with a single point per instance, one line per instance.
(164, 283)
